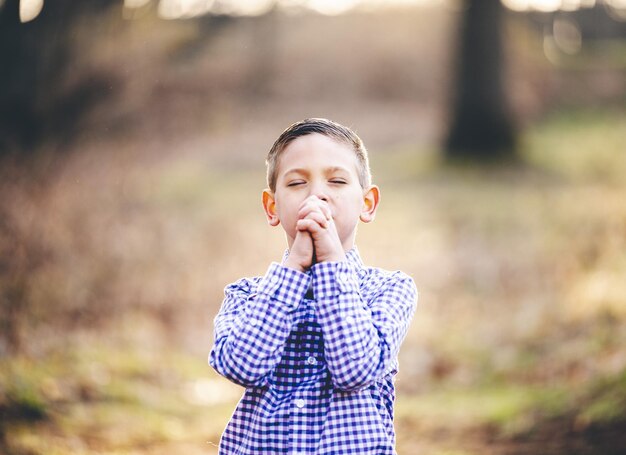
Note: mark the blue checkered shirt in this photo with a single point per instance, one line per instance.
(317, 353)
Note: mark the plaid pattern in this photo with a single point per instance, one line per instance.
(318, 371)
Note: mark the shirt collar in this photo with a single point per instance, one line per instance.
(352, 256)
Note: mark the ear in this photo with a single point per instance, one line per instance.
(371, 199)
(269, 205)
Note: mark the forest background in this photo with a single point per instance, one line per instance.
(132, 146)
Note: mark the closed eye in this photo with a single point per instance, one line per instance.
(296, 183)
(339, 181)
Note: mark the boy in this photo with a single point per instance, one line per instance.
(315, 340)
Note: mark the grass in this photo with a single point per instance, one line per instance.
(100, 398)
(585, 149)
(520, 269)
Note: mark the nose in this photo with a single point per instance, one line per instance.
(318, 190)
(322, 196)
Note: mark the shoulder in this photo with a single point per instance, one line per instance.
(245, 285)
(373, 275)
(375, 280)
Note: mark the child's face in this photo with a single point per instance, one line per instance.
(315, 164)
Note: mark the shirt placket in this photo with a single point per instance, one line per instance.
(299, 424)
(304, 424)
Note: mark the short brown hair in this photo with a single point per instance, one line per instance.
(324, 127)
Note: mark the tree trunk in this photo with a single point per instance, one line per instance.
(481, 128)
(34, 60)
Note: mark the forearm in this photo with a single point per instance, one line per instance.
(351, 343)
(356, 354)
(361, 339)
(250, 331)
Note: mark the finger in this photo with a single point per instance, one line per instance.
(315, 206)
(313, 198)
(327, 211)
(308, 201)
(319, 218)
(325, 208)
(302, 235)
(309, 225)
(306, 209)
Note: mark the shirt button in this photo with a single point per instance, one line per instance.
(254, 322)
(299, 403)
(311, 360)
(350, 319)
(343, 278)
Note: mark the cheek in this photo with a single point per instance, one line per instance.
(347, 206)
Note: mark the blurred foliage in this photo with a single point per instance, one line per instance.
(580, 153)
(96, 71)
(99, 398)
(519, 338)
(115, 246)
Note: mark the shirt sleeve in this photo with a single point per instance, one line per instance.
(251, 327)
(361, 339)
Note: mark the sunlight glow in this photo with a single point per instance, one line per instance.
(516, 5)
(135, 3)
(567, 35)
(175, 9)
(30, 9)
(617, 9)
(546, 5)
(550, 5)
(180, 9)
(332, 7)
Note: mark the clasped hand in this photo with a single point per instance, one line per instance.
(316, 237)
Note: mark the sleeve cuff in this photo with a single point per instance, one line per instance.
(331, 279)
(284, 284)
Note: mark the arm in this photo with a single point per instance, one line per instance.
(251, 328)
(361, 341)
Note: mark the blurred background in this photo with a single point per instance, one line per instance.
(132, 143)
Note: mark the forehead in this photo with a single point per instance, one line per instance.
(317, 151)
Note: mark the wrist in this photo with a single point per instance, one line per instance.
(336, 257)
(294, 264)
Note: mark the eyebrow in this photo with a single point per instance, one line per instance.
(296, 171)
(328, 170)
